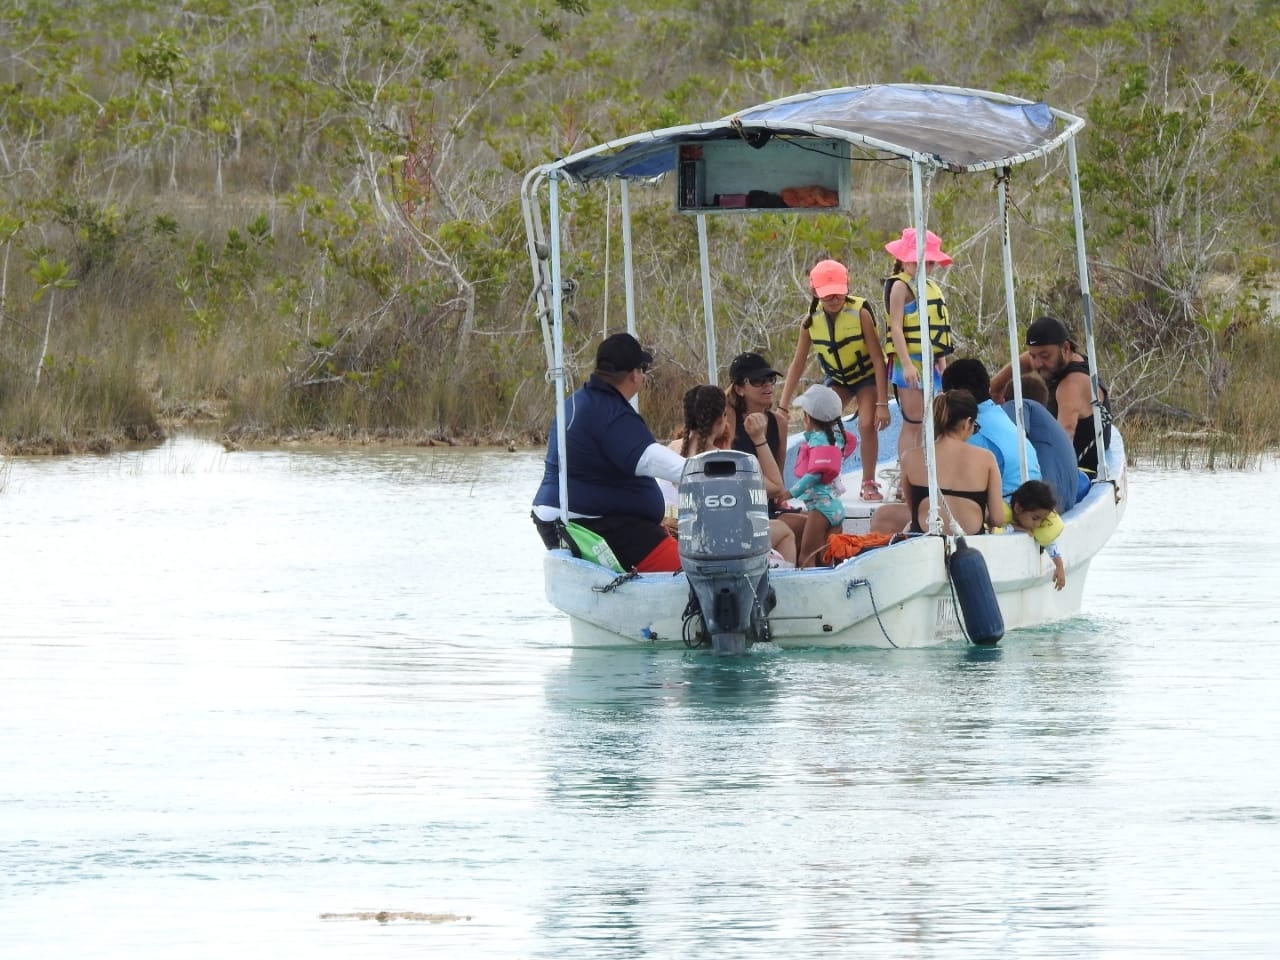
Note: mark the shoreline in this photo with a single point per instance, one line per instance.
(233, 441)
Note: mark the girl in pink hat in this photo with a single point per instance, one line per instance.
(904, 350)
(843, 336)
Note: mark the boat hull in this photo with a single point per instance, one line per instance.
(894, 596)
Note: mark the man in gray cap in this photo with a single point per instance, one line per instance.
(612, 459)
(1052, 354)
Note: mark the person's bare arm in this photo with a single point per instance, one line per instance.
(872, 339)
(756, 426)
(995, 500)
(1059, 573)
(803, 344)
(899, 293)
(1002, 379)
(1073, 401)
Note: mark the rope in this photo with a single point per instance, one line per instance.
(875, 608)
(615, 583)
(1005, 176)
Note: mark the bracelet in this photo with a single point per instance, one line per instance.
(882, 404)
(764, 444)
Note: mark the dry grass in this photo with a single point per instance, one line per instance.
(1231, 433)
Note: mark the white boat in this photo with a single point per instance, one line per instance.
(908, 594)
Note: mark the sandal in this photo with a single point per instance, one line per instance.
(871, 491)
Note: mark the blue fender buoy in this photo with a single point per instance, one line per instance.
(983, 621)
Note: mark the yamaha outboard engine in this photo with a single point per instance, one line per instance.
(724, 549)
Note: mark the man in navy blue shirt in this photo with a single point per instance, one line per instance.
(996, 432)
(612, 460)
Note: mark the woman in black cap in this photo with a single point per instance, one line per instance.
(759, 428)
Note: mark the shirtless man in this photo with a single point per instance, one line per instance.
(1052, 354)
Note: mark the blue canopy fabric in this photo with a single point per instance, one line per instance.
(947, 127)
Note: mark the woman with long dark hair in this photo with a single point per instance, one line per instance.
(760, 429)
(968, 477)
(708, 425)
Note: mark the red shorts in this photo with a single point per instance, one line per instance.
(664, 558)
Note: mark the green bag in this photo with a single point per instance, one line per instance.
(589, 545)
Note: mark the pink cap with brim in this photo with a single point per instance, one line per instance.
(904, 248)
(829, 277)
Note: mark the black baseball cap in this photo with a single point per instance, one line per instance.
(1047, 331)
(748, 365)
(621, 353)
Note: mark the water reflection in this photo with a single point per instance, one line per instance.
(244, 689)
(731, 689)
(843, 759)
(602, 712)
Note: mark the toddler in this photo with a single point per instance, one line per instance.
(818, 466)
(1030, 509)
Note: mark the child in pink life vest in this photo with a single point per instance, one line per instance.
(818, 465)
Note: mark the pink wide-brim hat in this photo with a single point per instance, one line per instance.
(904, 248)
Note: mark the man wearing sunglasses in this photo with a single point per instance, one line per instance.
(612, 459)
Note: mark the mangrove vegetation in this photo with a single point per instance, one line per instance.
(301, 218)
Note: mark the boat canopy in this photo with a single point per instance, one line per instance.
(946, 127)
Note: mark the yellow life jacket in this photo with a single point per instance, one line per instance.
(1049, 529)
(838, 342)
(939, 323)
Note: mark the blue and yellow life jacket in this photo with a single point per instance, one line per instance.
(939, 322)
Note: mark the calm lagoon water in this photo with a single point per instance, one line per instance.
(247, 699)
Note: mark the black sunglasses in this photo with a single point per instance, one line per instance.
(761, 381)
(977, 427)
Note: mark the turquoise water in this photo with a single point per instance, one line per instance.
(246, 699)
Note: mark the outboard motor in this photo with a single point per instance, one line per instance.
(724, 549)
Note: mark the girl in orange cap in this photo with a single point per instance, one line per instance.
(843, 336)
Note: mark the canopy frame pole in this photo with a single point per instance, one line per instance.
(608, 246)
(1011, 313)
(1086, 307)
(629, 269)
(704, 259)
(557, 337)
(920, 175)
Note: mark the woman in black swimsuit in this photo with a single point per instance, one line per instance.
(968, 476)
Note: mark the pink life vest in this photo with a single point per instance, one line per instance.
(824, 460)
